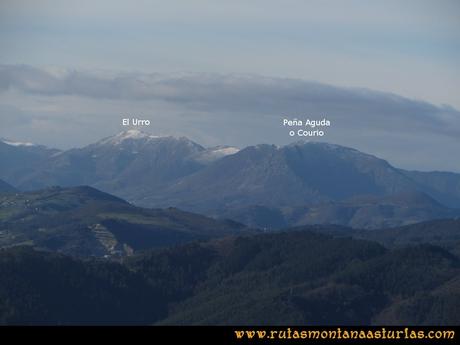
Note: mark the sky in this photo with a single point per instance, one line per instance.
(385, 73)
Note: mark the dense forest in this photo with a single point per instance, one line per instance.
(85, 222)
(296, 277)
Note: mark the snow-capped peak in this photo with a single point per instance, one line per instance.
(214, 153)
(223, 150)
(131, 134)
(321, 144)
(17, 143)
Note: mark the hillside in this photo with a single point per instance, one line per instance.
(291, 175)
(300, 278)
(443, 186)
(83, 221)
(305, 183)
(444, 233)
(6, 188)
(129, 160)
(294, 277)
(125, 164)
(358, 212)
(39, 288)
(263, 185)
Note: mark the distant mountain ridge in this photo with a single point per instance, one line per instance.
(442, 232)
(155, 171)
(443, 186)
(19, 161)
(291, 175)
(124, 163)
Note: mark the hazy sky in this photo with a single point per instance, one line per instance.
(227, 72)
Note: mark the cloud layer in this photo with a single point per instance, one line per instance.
(232, 109)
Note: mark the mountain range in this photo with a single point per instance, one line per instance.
(263, 185)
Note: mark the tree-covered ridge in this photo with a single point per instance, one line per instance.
(295, 277)
(83, 221)
(40, 288)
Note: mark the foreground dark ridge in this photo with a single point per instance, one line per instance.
(83, 221)
(283, 278)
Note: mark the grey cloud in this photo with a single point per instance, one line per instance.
(227, 109)
(242, 95)
(13, 117)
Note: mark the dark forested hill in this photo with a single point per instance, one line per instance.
(360, 212)
(294, 277)
(83, 221)
(301, 278)
(40, 288)
(443, 232)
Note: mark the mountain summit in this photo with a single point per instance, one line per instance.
(292, 175)
(122, 163)
(131, 134)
